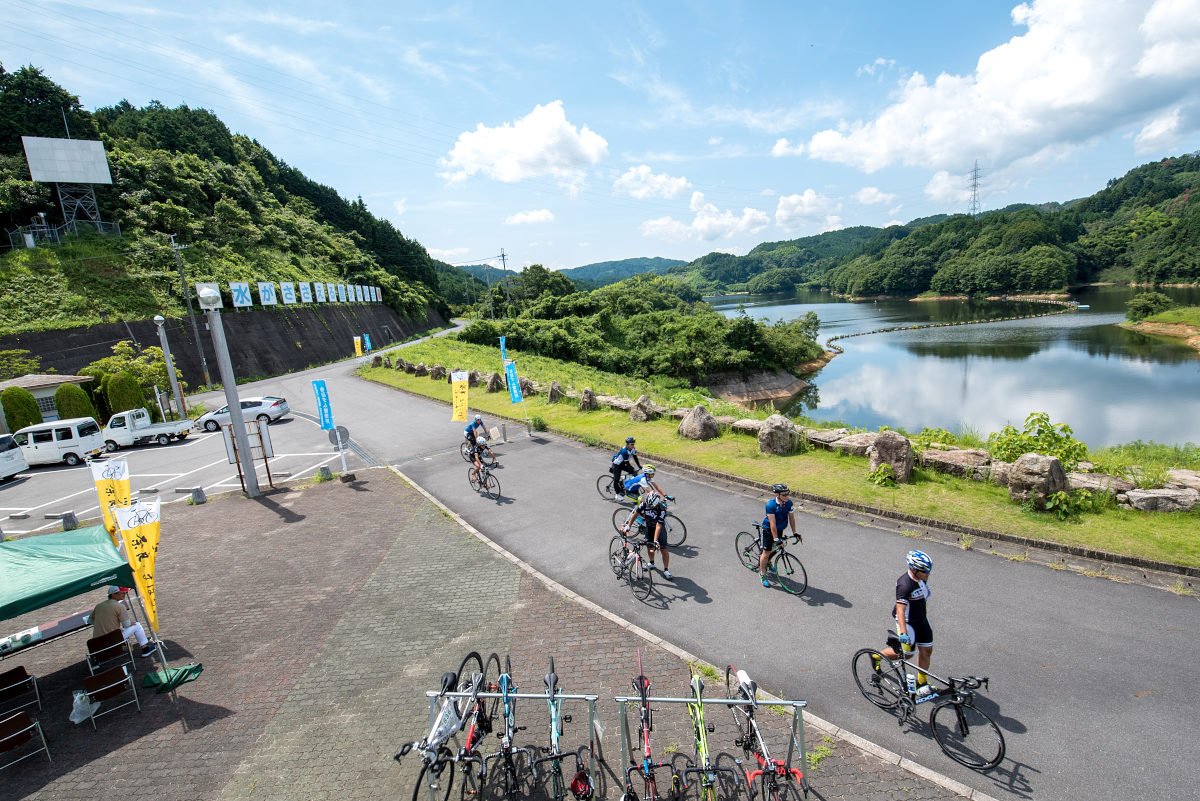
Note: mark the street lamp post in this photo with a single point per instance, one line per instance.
(162, 338)
(210, 302)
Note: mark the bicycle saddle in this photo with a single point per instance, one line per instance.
(551, 683)
(449, 679)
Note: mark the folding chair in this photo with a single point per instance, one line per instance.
(112, 683)
(17, 730)
(16, 683)
(107, 648)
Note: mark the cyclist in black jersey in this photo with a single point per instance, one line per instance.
(653, 510)
(912, 620)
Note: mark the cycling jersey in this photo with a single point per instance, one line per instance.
(780, 512)
(469, 431)
(638, 484)
(624, 455)
(913, 594)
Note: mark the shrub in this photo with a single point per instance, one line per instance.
(20, 408)
(95, 390)
(930, 435)
(882, 476)
(72, 401)
(1038, 436)
(1146, 304)
(123, 393)
(538, 423)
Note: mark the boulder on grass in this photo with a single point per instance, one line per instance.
(528, 388)
(377, 361)
(421, 370)
(642, 410)
(1098, 482)
(699, 424)
(746, 426)
(555, 393)
(587, 401)
(1035, 476)
(892, 449)
(965, 462)
(387, 362)
(473, 378)
(778, 435)
(1163, 500)
(855, 444)
(1184, 478)
(825, 437)
(406, 366)
(437, 372)
(494, 384)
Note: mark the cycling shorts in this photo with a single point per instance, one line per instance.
(765, 539)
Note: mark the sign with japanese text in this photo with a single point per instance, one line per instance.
(319, 292)
(341, 293)
(287, 292)
(140, 526)
(306, 295)
(514, 383)
(266, 293)
(241, 294)
(358, 346)
(458, 392)
(324, 408)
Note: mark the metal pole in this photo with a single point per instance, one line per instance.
(187, 295)
(162, 338)
(236, 421)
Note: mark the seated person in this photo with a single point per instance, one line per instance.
(113, 614)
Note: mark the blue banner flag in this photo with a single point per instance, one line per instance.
(503, 355)
(514, 384)
(367, 338)
(324, 410)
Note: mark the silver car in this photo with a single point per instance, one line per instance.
(267, 408)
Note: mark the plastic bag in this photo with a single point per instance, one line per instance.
(82, 710)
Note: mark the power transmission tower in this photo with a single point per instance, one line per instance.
(974, 210)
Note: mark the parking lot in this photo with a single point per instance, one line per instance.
(168, 472)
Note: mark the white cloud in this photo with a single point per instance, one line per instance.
(540, 144)
(871, 195)
(895, 210)
(783, 148)
(808, 210)
(1078, 71)
(400, 205)
(946, 188)
(1168, 128)
(448, 254)
(527, 217)
(641, 183)
(716, 140)
(890, 223)
(708, 223)
(878, 65)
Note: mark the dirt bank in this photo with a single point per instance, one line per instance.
(1190, 334)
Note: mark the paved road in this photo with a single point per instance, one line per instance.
(1091, 678)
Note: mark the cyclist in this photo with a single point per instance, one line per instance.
(620, 463)
(912, 623)
(643, 482)
(476, 434)
(779, 512)
(653, 510)
(476, 463)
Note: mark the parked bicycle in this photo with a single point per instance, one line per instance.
(482, 479)
(486, 455)
(965, 733)
(581, 786)
(647, 767)
(702, 765)
(773, 775)
(514, 771)
(453, 715)
(676, 530)
(627, 562)
(783, 567)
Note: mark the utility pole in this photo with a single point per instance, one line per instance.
(187, 295)
(974, 210)
(487, 276)
(504, 265)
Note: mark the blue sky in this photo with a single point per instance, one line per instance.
(569, 133)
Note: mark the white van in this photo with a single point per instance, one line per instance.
(12, 461)
(69, 441)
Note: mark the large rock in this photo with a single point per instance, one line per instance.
(778, 435)
(825, 437)
(1034, 476)
(699, 424)
(758, 387)
(421, 370)
(968, 463)
(998, 472)
(747, 426)
(679, 414)
(377, 361)
(642, 410)
(555, 393)
(1098, 482)
(528, 388)
(1163, 500)
(437, 372)
(494, 384)
(387, 362)
(409, 367)
(473, 378)
(587, 401)
(892, 449)
(613, 402)
(1184, 478)
(856, 444)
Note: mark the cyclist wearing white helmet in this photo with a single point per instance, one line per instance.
(476, 434)
(912, 621)
(778, 512)
(621, 463)
(653, 510)
(644, 482)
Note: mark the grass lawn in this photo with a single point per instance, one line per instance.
(1163, 537)
(1187, 315)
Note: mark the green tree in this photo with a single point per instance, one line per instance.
(33, 105)
(16, 363)
(148, 368)
(1146, 304)
(20, 408)
(95, 390)
(72, 401)
(124, 393)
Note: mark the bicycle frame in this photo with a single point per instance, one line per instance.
(769, 771)
(641, 685)
(961, 687)
(554, 699)
(444, 725)
(703, 765)
(507, 690)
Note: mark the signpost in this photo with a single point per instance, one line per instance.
(338, 435)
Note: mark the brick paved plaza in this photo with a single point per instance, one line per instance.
(321, 615)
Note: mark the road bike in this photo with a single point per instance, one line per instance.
(676, 531)
(783, 567)
(482, 479)
(486, 455)
(452, 716)
(604, 486)
(581, 786)
(965, 733)
(626, 560)
(647, 767)
(773, 775)
(703, 765)
(470, 760)
(509, 756)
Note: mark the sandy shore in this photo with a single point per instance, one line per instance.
(1190, 334)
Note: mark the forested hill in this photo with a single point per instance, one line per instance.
(242, 213)
(602, 273)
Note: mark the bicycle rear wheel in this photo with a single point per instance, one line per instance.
(491, 684)
(465, 451)
(676, 531)
(967, 735)
(619, 516)
(641, 579)
(491, 487)
(883, 687)
(791, 576)
(471, 786)
(617, 551)
(748, 549)
(472, 663)
(734, 691)
(445, 782)
(604, 486)
(473, 479)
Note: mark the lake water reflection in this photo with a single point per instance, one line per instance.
(1109, 384)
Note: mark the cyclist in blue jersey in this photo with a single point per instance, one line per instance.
(779, 514)
(644, 482)
(653, 510)
(912, 620)
(621, 463)
(476, 434)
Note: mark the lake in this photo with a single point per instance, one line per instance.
(1108, 384)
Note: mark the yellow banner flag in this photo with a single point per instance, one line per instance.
(112, 488)
(139, 525)
(458, 389)
(358, 346)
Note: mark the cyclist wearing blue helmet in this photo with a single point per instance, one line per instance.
(912, 621)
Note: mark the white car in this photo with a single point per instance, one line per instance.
(12, 461)
(267, 408)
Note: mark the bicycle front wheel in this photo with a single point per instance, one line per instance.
(441, 784)
(472, 782)
(791, 576)
(676, 531)
(491, 487)
(878, 679)
(473, 479)
(619, 516)
(616, 555)
(558, 788)
(748, 549)
(967, 735)
(733, 691)
(604, 486)
(641, 579)
(472, 663)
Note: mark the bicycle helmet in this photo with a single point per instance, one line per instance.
(581, 786)
(779, 489)
(630, 440)
(653, 500)
(919, 562)
(481, 442)
(650, 470)
(479, 418)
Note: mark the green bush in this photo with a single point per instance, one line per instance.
(95, 390)
(1146, 304)
(72, 401)
(882, 476)
(538, 423)
(123, 393)
(20, 408)
(932, 434)
(1038, 436)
